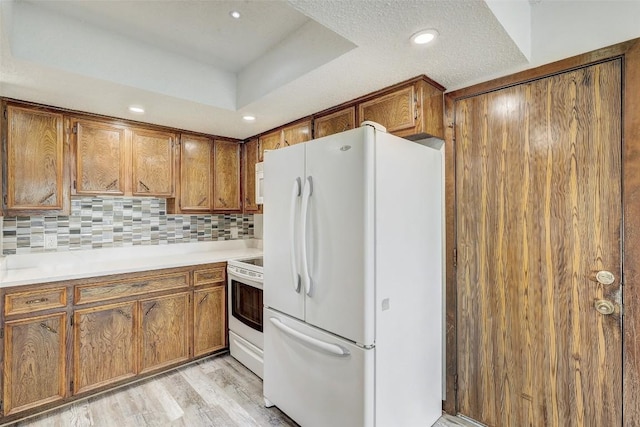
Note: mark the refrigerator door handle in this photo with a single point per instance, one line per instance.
(306, 195)
(333, 349)
(295, 193)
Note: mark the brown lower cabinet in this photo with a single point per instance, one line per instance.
(34, 362)
(103, 345)
(209, 305)
(61, 345)
(164, 326)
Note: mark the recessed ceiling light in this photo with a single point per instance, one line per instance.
(424, 36)
(234, 14)
(136, 109)
(249, 118)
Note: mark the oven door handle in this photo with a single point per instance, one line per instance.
(334, 349)
(243, 276)
(295, 194)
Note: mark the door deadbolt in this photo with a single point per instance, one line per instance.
(605, 277)
(604, 306)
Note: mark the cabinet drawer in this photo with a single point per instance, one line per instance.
(209, 275)
(125, 288)
(29, 301)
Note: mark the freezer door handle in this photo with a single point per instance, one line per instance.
(295, 193)
(333, 349)
(307, 192)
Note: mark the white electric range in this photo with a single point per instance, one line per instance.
(246, 340)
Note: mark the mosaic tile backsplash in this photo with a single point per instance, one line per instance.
(102, 222)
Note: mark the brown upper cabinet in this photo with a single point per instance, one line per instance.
(110, 158)
(153, 163)
(196, 174)
(413, 110)
(250, 154)
(35, 148)
(285, 136)
(269, 141)
(100, 158)
(226, 177)
(335, 122)
(296, 133)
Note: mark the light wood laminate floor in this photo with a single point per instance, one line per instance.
(216, 391)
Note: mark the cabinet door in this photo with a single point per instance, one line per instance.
(196, 174)
(104, 345)
(209, 320)
(249, 160)
(226, 177)
(34, 362)
(153, 163)
(430, 110)
(338, 121)
(164, 331)
(297, 133)
(99, 158)
(270, 141)
(396, 111)
(35, 161)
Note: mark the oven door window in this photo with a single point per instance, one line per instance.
(246, 304)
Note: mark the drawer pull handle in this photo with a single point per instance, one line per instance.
(144, 186)
(48, 328)
(140, 285)
(37, 301)
(202, 201)
(204, 298)
(125, 314)
(151, 308)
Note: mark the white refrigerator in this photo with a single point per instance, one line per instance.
(353, 281)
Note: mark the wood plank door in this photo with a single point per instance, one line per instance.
(538, 214)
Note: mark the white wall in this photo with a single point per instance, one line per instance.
(515, 18)
(581, 25)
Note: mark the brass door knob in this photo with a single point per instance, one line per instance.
(604, 306)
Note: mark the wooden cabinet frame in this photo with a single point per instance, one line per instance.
(290, 134)
(59, 310)
(227, 192)
(250, 155)
(44, 197)
(116, 183)
(334, 122)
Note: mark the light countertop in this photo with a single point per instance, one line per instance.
(45, 267)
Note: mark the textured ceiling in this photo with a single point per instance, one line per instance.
(193, 67)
